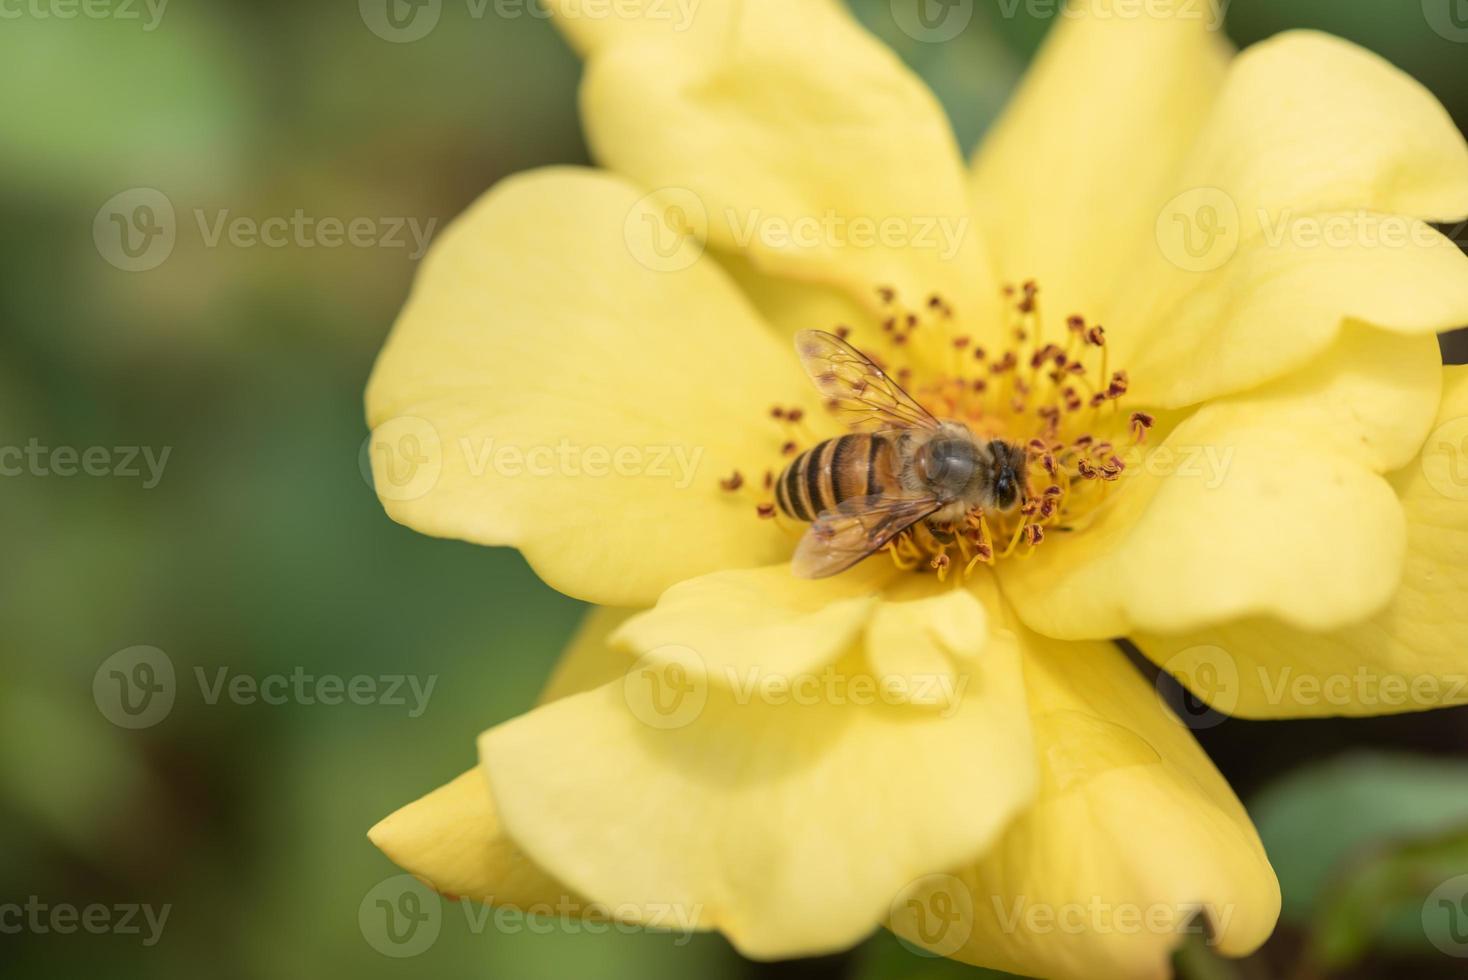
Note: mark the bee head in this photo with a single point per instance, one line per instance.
(1007, 480)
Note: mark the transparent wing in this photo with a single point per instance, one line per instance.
(842, 537)
(859, 387)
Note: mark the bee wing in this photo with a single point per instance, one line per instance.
(842, 537)
(843, 373)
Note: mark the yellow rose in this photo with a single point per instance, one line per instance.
(590, 356)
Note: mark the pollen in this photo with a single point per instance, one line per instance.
(1048, 388)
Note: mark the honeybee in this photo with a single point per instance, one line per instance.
(861, 490)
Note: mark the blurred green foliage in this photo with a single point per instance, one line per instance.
(262, 549)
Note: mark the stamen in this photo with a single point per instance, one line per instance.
(1044, 395)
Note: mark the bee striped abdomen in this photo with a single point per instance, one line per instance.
(847, 467)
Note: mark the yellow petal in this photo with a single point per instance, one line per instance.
(551, 385)
(592, 26)
(1264, 504)
(760, 620)
(922, 635)
(1282, 299)
(1288, 135)
(1313, 138)
(790, 306)
(1411, 656)
(787, 820)
(798, 140)
(1068, 182)
(588, 661)
(452, 838)
(1133, 833)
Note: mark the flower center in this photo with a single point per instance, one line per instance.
(1049, 391)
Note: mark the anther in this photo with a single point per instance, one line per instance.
(733, 482)
(1141, 422)
(765, 511)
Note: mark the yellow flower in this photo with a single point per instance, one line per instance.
(589, 356)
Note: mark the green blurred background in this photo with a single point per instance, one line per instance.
(263, 550)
